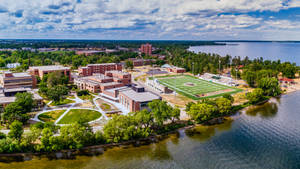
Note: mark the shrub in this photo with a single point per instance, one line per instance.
(83, 93)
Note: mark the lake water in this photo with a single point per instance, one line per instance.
(266, 136)
(285, 51)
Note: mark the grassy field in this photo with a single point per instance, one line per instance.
(195, 88)
(65, 101)
(86, 97)
(105, 107)
(51, 116)
(75, 115)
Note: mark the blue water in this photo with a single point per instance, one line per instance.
(285, 51)
(262, 137)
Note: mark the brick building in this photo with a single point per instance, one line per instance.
(90, 69)
(43, 70)
(136, 98)
(140, 62)
(176, 69)
(10, 80)
(100, 82)
(146, 49)
(7, 96)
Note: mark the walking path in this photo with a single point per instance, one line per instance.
(73, 106)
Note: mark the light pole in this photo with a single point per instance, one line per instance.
(219, 67)
(193, 69)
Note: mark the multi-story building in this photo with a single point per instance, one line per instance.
(7, 96)
(10, 80)
(176, 69)
(136, 98)
(100, 82)
(146, 48)
(88, 52)
(140, 62)
(90, 69)
(43, 70)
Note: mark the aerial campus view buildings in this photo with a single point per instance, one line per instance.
(111, 81)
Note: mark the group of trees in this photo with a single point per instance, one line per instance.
(208, 109)
(19, 109)
(28, 58)
(140, 124)
(47, 137)
(54, 86)
(253, 70)
(267, 87)
(42, 138)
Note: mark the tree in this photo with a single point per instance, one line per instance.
(14, 111)
(270, 86)
(45, 139)
(123, 128)
(2, 135)
(76, 135)
(201, 112)
(57, 78)
(224, 105)
(189, 105)
(161, 111)
(288, 70)
(25, 100)
(175, 114)
(83, 93)
(18, 109)
(16, 130)
(128, 64)
(56, 93)
(250, 78)
(255, 96)
(229, 97)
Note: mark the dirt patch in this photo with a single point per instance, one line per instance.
(214, 93)
(87, 104)
(189, 84)
(177, 100)
(107, 107)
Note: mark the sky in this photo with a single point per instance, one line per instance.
(150, 19)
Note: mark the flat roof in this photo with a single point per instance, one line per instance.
(50, 67)
(21, 74)
(118, 72)
(96, 64)
(140, 96)
(109, 83)
(10, 99)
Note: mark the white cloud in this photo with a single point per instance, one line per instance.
(144, 18)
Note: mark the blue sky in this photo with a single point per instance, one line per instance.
(151, 19)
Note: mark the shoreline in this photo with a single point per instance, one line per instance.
(95, 150)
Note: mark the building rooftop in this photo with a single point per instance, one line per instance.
(10, 99)
(51, 67)
(21, 74)
(109, 83)
(117, 72)
(140, 96)
(98, 64)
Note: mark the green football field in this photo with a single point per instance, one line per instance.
(195, 88)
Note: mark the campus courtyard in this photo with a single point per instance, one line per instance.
(195, 88)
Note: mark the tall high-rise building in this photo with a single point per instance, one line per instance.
(147, 49)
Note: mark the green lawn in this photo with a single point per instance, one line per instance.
(105, 107)
(195, 88)
(51, 116)
(86, 97)
(65, 101)
(75, 115)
